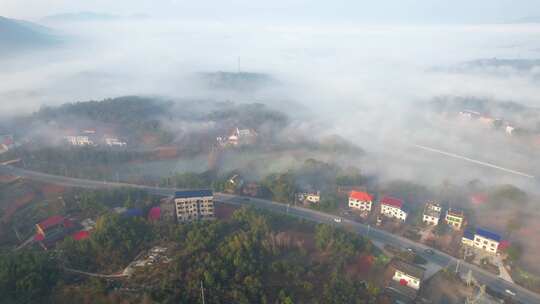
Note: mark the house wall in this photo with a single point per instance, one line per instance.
(430, 220)
(313, 198)
(485, 244)
(393, 212)
(454, 221)
(194, 208)
(360, 205)
(411, 281)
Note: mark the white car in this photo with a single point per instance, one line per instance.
(337, 220)
(510, 292)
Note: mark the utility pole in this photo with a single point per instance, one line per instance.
(202, 291)
(457, 265)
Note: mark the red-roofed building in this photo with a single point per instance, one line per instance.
(39, 237)
(50, 223)
(80, 235)
(478, 198)
(154, 214)
(360, 200)
(393, 208)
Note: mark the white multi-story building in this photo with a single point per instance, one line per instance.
(194, 205)
(238, 138)
(455, 218)
(432, 214)
(309, 197)
(79, 140)
(393, 208)
(114, 142)
(360, 200)
(482, 239)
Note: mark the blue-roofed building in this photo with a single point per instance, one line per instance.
(191, 205)
(468, 238)
(482, 239)
(133, 212)
(488, 234)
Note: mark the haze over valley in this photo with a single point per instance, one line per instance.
(276, 102)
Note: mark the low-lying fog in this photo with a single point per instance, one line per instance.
(366, 83)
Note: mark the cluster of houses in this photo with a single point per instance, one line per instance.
(6, 142)
(56, 228)
(395, 208)
(391, 207)
(90, 138)
(489, 121)
(185, 206)
(239, 137)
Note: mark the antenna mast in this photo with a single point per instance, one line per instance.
(202, 292)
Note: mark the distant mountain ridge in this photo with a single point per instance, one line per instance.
(88, 17)
(529, 19)
(19, 35)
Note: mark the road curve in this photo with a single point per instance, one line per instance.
(439, 258)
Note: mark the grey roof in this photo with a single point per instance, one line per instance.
(193, 193)
(399, 292)
(410, 269)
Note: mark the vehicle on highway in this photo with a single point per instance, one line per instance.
(337, 219)
(510, 292)
(409, 249)
(245, 199)
(429, 251)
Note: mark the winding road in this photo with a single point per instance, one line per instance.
(438, 258)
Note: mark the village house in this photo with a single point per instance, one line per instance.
(455, 218)
(468, 114)
(393, 208)
(482, 239)
(432, 214)
(79, 140)
(309, 197)
(345, 191)
(191, 205)
(114, 142)
(407, 274)
(406, 280)
(360, 200)
(251, 189)
(52, 230)
(487, 120)
(509, 129)
(239, 137)
(234, 184)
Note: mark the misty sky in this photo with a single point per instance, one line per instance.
(347, 11)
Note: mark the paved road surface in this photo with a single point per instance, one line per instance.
(439, 258)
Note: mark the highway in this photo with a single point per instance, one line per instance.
(439, 258)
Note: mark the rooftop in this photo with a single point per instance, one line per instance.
(410, 269)
(468, 234)
(361, 196)
(488, 234)
(433, 210)
(392, 201)
(193, 193)
(404, 293)
(51, 222)
(455, 212)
